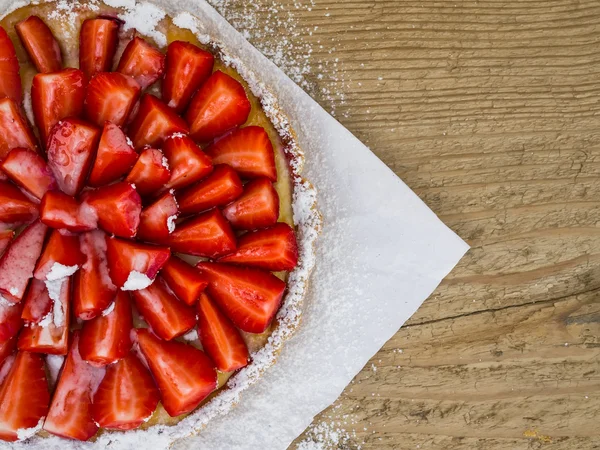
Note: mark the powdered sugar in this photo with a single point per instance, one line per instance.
(54, 364)
(54, 290)
(27, 105)
(144, 17)
(136, 281)
(60, 271)
(13, 291)
(5, 303)
(26, 433)
(171, 223)
(46, 320)
(165, 162)
(191, 335)
(108, 310)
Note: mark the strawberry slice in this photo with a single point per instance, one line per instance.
(248, 150)
(127, 396)
(184, 280)
(93, 289)
(115, 156)
(184, 375)
(10, 80)
(150, 172)
(61, 249)
(18, 261)
(7, 349)
(14, 128)
(157, 221)
(6, 237)
(15, 207)
(218, 106)
(218, 189)
(249, 297)
(118, 208)
(58, 210)
(40, 44)
(98, 41)
(71, 148)
(37, 303)
(142, 62)
(207, 235)
(28, 169)
(187, 162)
(111, 97)
(70, 413)
(220, 339)
(10, 320)
(55, 96)
(187, 68)
(167, 316)
(273, 249)
(24, 396)
(105, 338)
(134, 265)
(154, 122)
(258, 207)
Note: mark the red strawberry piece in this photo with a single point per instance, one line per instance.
(15, 207)
(111, 97)
(18, 261)
(58, 210)
(249, 297)
(93, 289)
(118, 208)
(184, 375)
(258, 207)
(10, 80)
(142, 61)
(29, 170)
(184, 280)
(115, 156)
(56, 96)
(105, 338)
(24, 396)
(7, 349)
(157, 221)
(187, 68)
(167, 316)
(150, 172)
(41, 46)
(187, 162)
(10, 320)
(60, 249)
(154, 122)
(273, 249)
(207, 235)
(218, 189)
(98, 41)
(6, 237)
(248, 150)
(218, 106)
(37, 303)
(14, 128)
(127, 396)
(220, 339)
(70, 413)
(134, 265)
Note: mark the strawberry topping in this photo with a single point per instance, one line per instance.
(150, 172)
(115, 156)
(187, 162)
(10, 81)
(40, 44)
(141, 61)
(110, 98)
(62, 249)
(97, 45)
(184, 280)
(14, 128)
(28, 169)
(218, 189)
(157, 221)
(15, 207)
(60, 211)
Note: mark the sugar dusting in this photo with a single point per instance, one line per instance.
(54, 289)
(108, 310)
(136, 281)
(54, 364)
(26, 433)
(59, 271)
(171, 223)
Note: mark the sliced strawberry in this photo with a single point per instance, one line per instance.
(150, 172)
(187, 162)
(105, 338)
(115, 156)
(167, 316)
(18, 261)
(187, 68)
(134, 265)
(60, 249)
(142, 61)
(258, 207)
(15, 131)
(154, 122)
(218, 106)
(184, 280)
(10, 319)
(157, 221)
(93, 289)
(218, 189)
(207, 235)
(37, 303)
(7, 349)
(118, 208)
(6, 237)
(249, 297)
(110, 98)
(10, 80)
(70, 414)
(58, 210)
(55, 96)
(71, 148)
(273, 249)
(220, 339)
(98, 41)
(41, 46)
(184, 375)
(15, 207)
(29, 170)
(248, 150)
(24, 396)
(127, 396)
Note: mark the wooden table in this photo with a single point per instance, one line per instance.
(490, 111)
